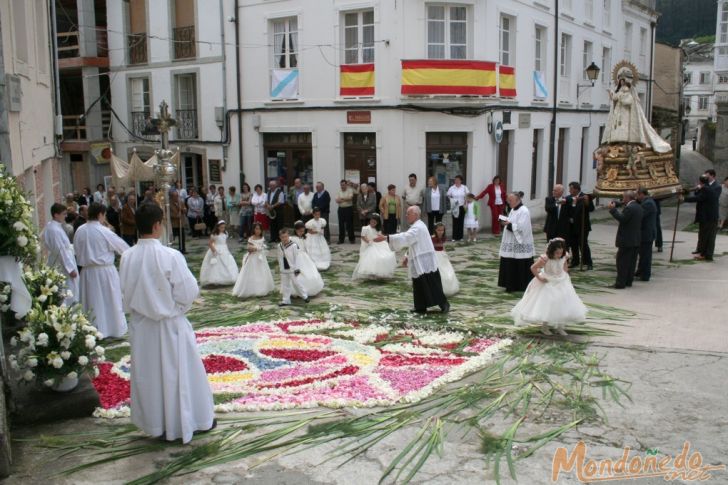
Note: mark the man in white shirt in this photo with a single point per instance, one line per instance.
(305, 204)
(170, 394)
(60, 251)
(95, 247)
(412, 196)
(422, 263)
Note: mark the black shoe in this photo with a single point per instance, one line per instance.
(445, 309)
(629, 285)
(644, 279)
(284, 304)
(659, 250)
(638, 273)
(695, 252)
(202, 431)
(415, 310)
(589, 268)
(306, 300)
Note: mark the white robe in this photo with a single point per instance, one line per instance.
(60, 256)
(421, 256)
(518, 243)
(95, 246)
(170, 393)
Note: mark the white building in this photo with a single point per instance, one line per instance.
(171, 51)
(298, 122)
(700, 83)
(27, 135)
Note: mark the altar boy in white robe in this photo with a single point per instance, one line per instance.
(60, 251)
(421, 261)
(96, 246)
(170, 394)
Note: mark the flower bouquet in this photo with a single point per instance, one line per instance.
(5, 292)
(17, 235)
(58, 344)
(46, 285)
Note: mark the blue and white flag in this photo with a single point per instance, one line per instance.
(539, 85)
(284, 83)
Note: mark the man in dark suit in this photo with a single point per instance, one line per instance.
(648, 232)
(274, 200)
(558, 215)
(628, 237)
(322, 200)
(581, 205)
(706, 215)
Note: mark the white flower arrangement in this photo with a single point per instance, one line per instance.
(5, 293)
(54, 345)
(47, 285)
(18, 236)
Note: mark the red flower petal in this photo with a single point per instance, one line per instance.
(112, 389)
(222, 363)
(297, 355)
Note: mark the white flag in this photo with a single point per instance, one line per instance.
(284, 83)
(539, 85)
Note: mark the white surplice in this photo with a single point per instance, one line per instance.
(518, 242)
(95, 247)
(61, 257)
(170, 394)
(421, 256)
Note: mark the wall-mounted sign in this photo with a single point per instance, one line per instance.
(214, 166)
(498, 131)
(358, 117)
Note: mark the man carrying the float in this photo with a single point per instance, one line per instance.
(421, 261)
(170, 394)
(96, 246)
(60, 251)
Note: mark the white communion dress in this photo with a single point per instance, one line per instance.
(554, 302)
(219, 268)
(310, 278)
(376, 259)
(316, 245)
(255, 278)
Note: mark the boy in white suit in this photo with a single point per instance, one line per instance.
(288, 266)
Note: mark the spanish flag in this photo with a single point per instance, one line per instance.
(432, 76)
(507, 81)
(357, 80)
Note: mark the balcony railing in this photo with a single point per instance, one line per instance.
(137, 44)
(74, 126)
(186, 124)
(184, 42)
(140, 121)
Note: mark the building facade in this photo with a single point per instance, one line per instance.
(667, 107)
(375, 90)
(27, 135)
(700, 82)
(170, 51)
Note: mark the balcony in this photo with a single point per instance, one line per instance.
(185, 46)
(186, 124)
(140, 122)
(438, 77)
(137, 44)
(74, 126)
(69, 50)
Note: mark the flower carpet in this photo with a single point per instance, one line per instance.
(308, 363)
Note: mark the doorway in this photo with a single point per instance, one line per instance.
(360, 161)
(192, 170)
(288, 156)
(504, 149)
(563, 134)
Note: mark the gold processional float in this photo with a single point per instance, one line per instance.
(631, 154)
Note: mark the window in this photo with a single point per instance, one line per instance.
(446, 32)
(586, 57)
(186, 106)
(688, 78)
(140, 106)
(722, 79)
(628, 40)
(539, 63)
(184, 29)
(20, 37)
(703, 103)
(507, 40)
(607, 13)
(41, 37)
(643, 41)
(723, 38)
(359, 37)
(606, 64)
(285, 43)
(137, 32)
(589, 10)
(704, 78)
(565, 63)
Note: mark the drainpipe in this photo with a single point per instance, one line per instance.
(238, 90)
(224, 74)
(56, 76)
(552, 134)
(652, 71)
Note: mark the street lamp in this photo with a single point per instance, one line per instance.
(592, 73)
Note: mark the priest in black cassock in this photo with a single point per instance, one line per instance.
(421, 261)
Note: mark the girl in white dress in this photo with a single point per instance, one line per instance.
(316, 245)
(450, 283)
(310, 278)
(255, 278)
(218, 267)
(550, 298)
(472, 214)
(376, 259)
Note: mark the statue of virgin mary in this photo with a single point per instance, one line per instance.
(627, 122)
